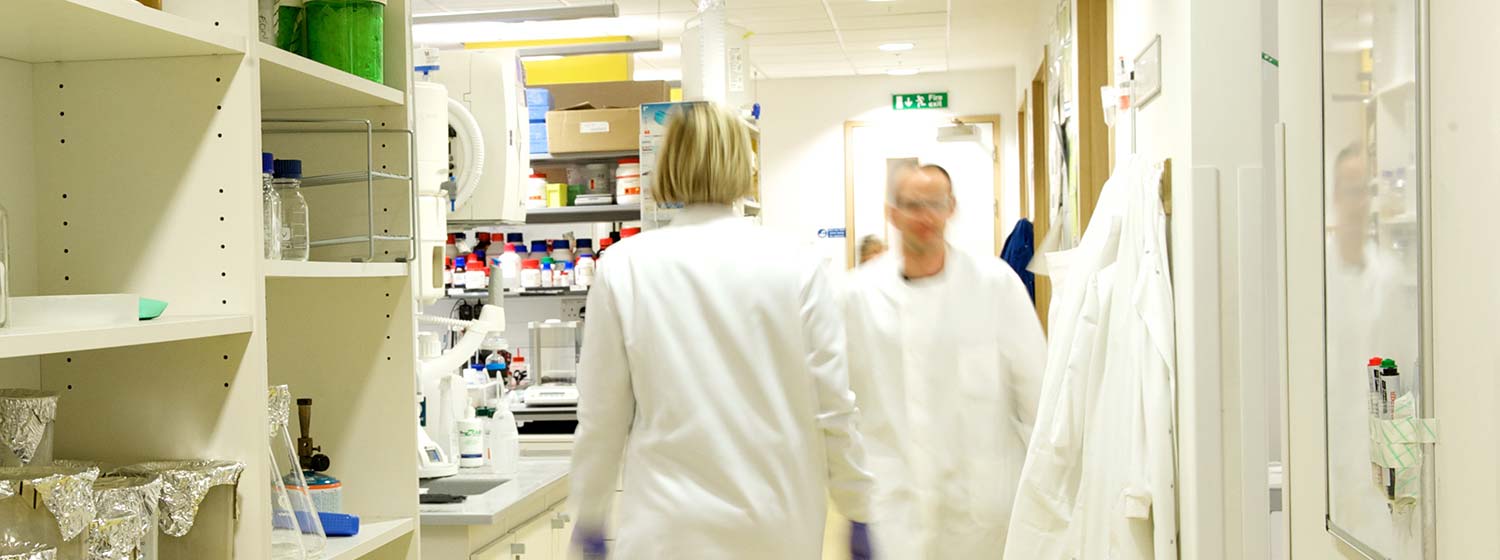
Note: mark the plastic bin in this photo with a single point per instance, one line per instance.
(197, 505)
(26, 418)
(125, 520)
(47, 506)
(348, 35)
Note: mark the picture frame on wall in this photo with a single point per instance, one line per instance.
(1148, 73)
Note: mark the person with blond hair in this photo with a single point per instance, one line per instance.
(713, 375)
(870, 246)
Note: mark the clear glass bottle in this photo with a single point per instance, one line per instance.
(271, 208)
(294, 214)
(4, 267)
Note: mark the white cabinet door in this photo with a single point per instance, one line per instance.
(534, 539)
(498, 550)
(562, 532)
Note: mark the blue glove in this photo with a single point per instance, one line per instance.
(859, 541)
(591, 542)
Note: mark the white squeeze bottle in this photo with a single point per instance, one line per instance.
(510, 268)
(470, 440)
(501, 438)
(583, 272)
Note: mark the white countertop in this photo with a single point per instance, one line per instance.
(540, 483)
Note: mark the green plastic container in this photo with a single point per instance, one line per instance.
(290, 28)
(348, 35)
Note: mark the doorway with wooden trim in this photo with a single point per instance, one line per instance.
(873, 151)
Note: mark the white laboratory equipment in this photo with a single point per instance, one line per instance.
(295, 244)
(487, 82)
(430, 105)
(446, 394)
(555, 347)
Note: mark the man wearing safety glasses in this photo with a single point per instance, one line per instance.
(945, 357)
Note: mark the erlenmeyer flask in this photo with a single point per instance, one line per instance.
(286, 474)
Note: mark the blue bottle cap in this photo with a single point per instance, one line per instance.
(585, 244)
(567, 266)
(494, 366)
(459, 262)
(479, 255)
(267, 163)
(514, 238)
(560, 244)
(538, 246)
(288, 168)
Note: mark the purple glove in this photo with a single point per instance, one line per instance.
(859, 541)
(591, 542)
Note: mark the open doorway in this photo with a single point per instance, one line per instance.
(873, 152)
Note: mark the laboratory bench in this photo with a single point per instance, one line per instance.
(521, 519)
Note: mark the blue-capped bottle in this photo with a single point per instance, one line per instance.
(270, 203)
(295, 241)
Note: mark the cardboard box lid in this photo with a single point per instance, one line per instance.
(609, 94)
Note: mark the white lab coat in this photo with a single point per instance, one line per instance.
(947, 370)
(713, 372)
(1099, 481)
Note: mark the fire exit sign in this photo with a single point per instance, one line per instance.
(909, 101)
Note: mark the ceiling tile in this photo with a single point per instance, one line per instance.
(893, 22)
(781, 39)
(856, 8)
(786, 26)
(937, 35)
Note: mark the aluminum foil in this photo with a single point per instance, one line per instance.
(21, 550)
(24, 416)
(184, 484)
(82, 464)
(278, 409)
(112, 537)
(68, 493)
(138, 498)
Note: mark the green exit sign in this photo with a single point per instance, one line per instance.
(909, 101)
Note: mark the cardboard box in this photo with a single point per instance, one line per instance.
(593, 130)
(609, 94)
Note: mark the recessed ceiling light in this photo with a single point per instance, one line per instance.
(901, 71)
(896, 47)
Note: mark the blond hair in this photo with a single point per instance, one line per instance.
(706, 158)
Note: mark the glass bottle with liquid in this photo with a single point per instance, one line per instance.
(270, 208)
(295, 244)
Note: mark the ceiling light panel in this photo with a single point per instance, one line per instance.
(896, 47)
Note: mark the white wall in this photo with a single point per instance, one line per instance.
(18, 196)
(802, 130)
(1464, 193)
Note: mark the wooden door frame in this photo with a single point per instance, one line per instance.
(1041, 181)
(852, 235)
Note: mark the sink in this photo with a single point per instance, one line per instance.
(462, 485)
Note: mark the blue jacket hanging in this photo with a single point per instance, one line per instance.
(1019, 247)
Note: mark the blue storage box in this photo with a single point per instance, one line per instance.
(538, 138)
(538, 102)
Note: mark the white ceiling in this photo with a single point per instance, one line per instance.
(789, 38)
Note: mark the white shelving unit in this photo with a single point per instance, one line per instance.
(76, 30)
(289, 81)
(131, 142)
(372, 536)
(317, 269)
(34, 341)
